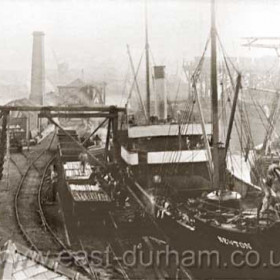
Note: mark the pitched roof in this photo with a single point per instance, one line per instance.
(19, 263)
(21, 102)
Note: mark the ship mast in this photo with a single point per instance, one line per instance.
(147, 64)
(214, 95)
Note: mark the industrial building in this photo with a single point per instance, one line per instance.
(80, 93)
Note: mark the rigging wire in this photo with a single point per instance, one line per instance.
(187, 117)
(134, 79)
(186, 120)
(259, 169)
(177, 155)
(242, 121)
(258, 108)
(153, 58)
(136, 83)
(124, 85)
(176, 97)
(246, 113)
(187, 108)
(232, 85)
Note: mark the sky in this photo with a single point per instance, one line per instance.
(93, 35)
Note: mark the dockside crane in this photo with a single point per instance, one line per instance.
(258, 42)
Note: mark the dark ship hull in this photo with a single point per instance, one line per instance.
(247, 254)
(254, 255)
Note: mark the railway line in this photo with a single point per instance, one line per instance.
(27, 204)
(30, 216)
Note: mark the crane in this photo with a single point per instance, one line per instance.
(253, 42)
(62, 67)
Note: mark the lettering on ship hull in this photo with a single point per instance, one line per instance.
(234, 243)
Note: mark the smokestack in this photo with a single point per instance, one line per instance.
(160, 93)
(38, 69)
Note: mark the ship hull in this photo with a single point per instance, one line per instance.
(248, 255)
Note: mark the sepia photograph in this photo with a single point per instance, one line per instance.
(139, 139)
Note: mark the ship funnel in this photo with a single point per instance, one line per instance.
(160, 93)
(38, 69)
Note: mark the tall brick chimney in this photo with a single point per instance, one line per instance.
(38, 69)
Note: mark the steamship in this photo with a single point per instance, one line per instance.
(166, 146)
(178, 171)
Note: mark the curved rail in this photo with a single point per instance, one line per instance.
(24, 232)
(41, 211)
(19, 188)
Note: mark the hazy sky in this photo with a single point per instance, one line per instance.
(89, 34)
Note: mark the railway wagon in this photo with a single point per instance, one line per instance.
(69, 152)
(82, 197)
(67, 149)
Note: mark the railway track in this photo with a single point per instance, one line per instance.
(42, 213)
(28, 210)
